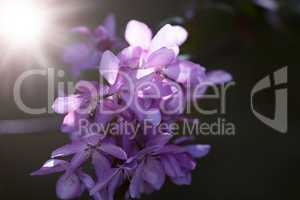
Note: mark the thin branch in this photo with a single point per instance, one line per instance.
(24, 126)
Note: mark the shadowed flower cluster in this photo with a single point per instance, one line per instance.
(147, 82)
(86, 53)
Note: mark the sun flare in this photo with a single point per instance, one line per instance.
(21, 23)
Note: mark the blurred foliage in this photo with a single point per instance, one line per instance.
(223, 27)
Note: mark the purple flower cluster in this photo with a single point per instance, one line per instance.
(146, 83)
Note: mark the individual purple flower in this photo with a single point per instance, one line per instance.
(90, 103)
(89, 147)
(81, 105)
(86, 54)
(162, 158)
(101, 152)
(152, 53)
(71, 186)
(139, 34)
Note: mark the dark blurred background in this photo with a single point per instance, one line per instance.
(249, 39)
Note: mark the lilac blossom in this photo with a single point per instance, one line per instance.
(87, 102)
(86, 54)
(71, 186)
(140, 79)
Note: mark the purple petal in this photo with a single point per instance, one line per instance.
(183, 180)
(104, 181)
(168, 36)
(101, 164)
(114, 151)
(128, 144)
(151, 87)
(51, 166)
(184, 139)
(160, 140)
(136, 182)
(138, 34)
(186, 161)
(82, 30)
(105, 112)
(69, 123)
(102, 35)
(175, 104)
(153, 116)
(168, 168)
(89, 183)
(175, 165)
(68, 187)
(110, 25)
(90, 62)
(69, 149)
(181, 34)
(178, 72)
(92, 140)
(109, 67)
(172, 149)
(63, 105)
(198, 151)
(218, 77)
(143, 72)
(160, 58)
(185, 71)
(87, 88)
(115, 182)
(77, 161)
(153, 173)
(147, 188)
(87, 180)
(97, 196)
(76, 53)
(130, 56)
